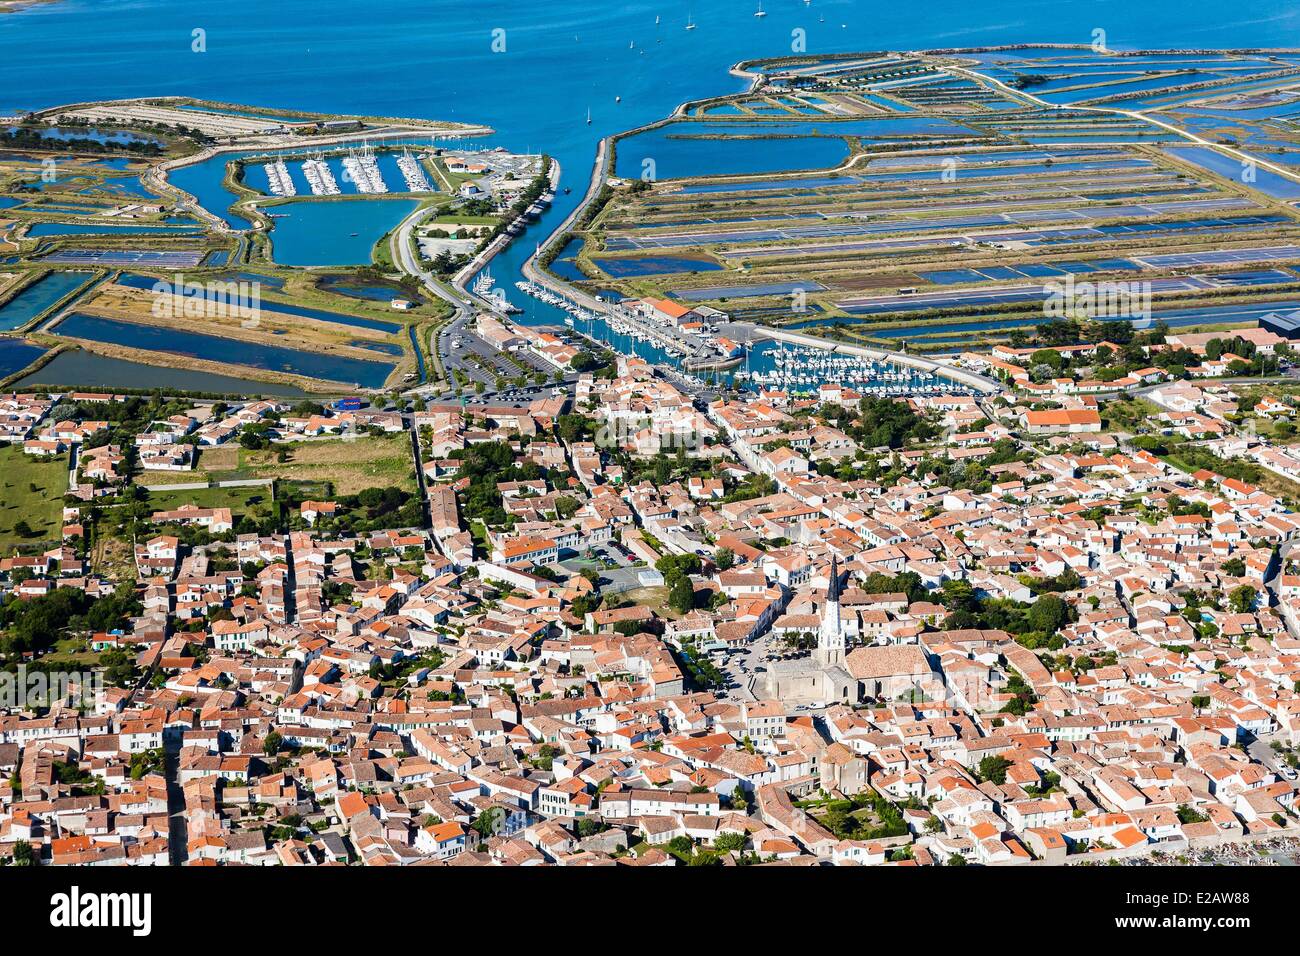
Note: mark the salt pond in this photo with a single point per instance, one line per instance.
(335, 368)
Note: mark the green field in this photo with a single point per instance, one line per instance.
(238, 500)
(350, 466)
(41, 508)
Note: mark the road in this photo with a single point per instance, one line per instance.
(491, 363)
(177, 826)
(400, 251)
(419, 473)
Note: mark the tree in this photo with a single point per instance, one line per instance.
(271, 745)
(681, 597)
(956, 860)
(1048, 614)
(724, 559)
(994, 769)
(680, 845)
(933, 824)
(674, 566)
(487, 822)
(1242, 599)
(146, 762)
(728, 842)
(24, 855)
(119, 668)
(1049, 357)
(583, 362)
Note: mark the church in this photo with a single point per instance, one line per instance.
(822, 677)
(833, 675)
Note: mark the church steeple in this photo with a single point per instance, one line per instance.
(830, 639)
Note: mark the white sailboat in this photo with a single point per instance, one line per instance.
(690, 21)
(588, 115)
(760, 12)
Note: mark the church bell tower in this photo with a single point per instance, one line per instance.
(830, 639)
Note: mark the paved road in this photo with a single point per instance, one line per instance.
(419, 474)
(399, 246)
(177, 826)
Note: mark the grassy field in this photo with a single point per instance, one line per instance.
(113, 557)
(1128, 414)
(238, 500)
(655, 598)
(1180, 455)
(41, 508)
(212, 464)
(72, 651)
(351, 466)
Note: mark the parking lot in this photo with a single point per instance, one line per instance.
(478, 360)
(616, 565)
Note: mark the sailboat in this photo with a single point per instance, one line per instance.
(690, 22)
(588, 115)
(760, 12)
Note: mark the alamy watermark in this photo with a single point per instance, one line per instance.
(26, 690)
(649, 436)
(1104, 299)
(87, 909)
(190, 299)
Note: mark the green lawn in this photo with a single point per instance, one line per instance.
(350, 466)
(238, 500)
(72, 651)
(31, 490)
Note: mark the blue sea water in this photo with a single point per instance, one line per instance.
(79, 367)
(655, 265)
(561, 58)
(333, 232)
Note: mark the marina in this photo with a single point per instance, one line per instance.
(363, 171)
(802, 370)
(674, 343)
(320, 177)
(412, 172)
(485, 288)
(279, 180)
